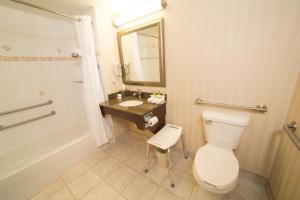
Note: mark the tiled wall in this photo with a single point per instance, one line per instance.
(35, 66)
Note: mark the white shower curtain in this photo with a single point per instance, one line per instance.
(93, 87)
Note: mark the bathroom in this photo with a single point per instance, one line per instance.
(117, 99)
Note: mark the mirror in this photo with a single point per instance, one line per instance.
(141, 54)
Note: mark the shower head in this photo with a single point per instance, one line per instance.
(76, 54)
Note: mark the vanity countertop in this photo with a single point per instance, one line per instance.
(142, 110)
(135, 114)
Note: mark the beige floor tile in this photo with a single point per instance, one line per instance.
(185, 165)
(176, 154)
(83, 183)
(121, 177)
(107, 146)
(114, 146)
(137, 143)
(156, 173)
(120, 197)
(78, 169)
(106, 166)
(247, 190)
(124, 138)
(95, 158)
(50, 190)
(63, 194)
(137, 161)
(140, 189)
(184, 184)
(200, 193)
(253, 178)
(102, 191)
(164, 194)
(120, 152)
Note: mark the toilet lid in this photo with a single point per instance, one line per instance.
(216, 166)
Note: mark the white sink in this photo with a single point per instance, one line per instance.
(131, 103)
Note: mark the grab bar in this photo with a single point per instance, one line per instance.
(290, 130)
(27, 121)
(25, 108)
(260, 108)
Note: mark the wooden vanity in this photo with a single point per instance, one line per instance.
(135, 114)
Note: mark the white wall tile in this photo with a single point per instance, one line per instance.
(28, 83)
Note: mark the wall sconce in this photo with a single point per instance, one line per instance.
(139, 11)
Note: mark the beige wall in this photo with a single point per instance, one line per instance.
(285, 173)
(285, 176)
(239, 52)
(294, 110)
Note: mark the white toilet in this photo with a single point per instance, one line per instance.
(215, 166)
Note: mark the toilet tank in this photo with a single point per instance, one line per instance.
(224, 130)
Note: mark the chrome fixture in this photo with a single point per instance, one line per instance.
(260, 108)
(140, 93)
(27, 121)
(44, 9)
(76, 54)
(26, 108)
(77, 81)
(292, 126)
(290, 130)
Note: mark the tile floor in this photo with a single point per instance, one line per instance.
(115, 172)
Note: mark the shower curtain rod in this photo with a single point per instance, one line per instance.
(44, 9)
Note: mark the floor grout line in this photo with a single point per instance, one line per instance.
(117, 190)
(134, 149)
(66, 185)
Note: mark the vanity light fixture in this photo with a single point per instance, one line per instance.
(139, 11)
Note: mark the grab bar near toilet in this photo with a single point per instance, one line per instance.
(259, 108)
(290, 130)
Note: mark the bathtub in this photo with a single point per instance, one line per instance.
(27, 170)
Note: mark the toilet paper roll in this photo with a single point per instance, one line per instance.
(152, 121)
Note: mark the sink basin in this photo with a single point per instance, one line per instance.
(131, 103)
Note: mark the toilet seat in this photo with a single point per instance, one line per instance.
(216, 169)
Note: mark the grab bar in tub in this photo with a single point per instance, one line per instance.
(27, 121)
(26, 108)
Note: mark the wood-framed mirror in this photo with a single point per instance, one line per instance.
(141, 51)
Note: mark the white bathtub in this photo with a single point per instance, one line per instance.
(25, 171)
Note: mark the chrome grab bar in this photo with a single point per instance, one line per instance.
(260, 108)
(25, 108)
(27, 121)
(290, 130)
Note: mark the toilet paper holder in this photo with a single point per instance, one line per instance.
(148, 117)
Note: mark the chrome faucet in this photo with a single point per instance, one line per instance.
(140, 93)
